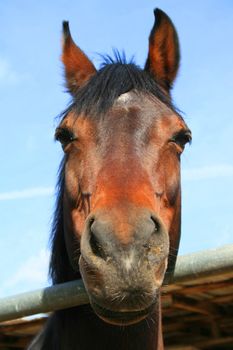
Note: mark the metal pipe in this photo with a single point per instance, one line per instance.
(207, 264)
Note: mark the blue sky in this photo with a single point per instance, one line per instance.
(32, 95)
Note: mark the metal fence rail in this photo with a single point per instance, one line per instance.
(205, 264)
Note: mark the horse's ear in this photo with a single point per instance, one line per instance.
(164, 54)
(78, 67)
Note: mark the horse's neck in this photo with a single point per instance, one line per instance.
(79, 328)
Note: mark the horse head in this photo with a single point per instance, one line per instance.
(122, 139)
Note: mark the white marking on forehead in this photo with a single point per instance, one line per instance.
(124, 97)
(128, 260)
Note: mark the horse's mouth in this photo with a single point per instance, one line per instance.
(121, 318)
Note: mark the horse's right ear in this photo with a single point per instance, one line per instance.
(78, 67)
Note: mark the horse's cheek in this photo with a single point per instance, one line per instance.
(78, 221)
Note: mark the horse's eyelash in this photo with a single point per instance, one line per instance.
(184, 135)
(64, 135)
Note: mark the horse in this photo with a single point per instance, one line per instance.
(118, 214)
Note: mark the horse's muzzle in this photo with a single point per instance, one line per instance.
(123, 270)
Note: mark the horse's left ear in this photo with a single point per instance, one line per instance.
(164, 54)
(78, 67)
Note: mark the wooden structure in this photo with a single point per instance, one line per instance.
(197, 309)
(199, 314)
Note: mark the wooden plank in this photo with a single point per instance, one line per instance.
(226, 299)
(204, 344)
(16, 343)
(188, 304)
(182, 347)
(206, 287)
(22, 327)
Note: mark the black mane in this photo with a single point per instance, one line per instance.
(114, 78)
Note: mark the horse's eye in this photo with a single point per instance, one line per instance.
(64, 135)
(181, 138)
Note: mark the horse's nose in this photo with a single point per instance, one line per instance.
(107, 238)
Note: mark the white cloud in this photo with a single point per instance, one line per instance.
(225, 236)
(31, 274)
(7, 74)
(27, 193)
(208, 172)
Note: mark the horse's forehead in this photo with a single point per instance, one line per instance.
(131, 111)
(142, 102)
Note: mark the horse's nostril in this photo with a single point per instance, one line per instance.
(156, 224)
(91, 221)
(95, 245)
